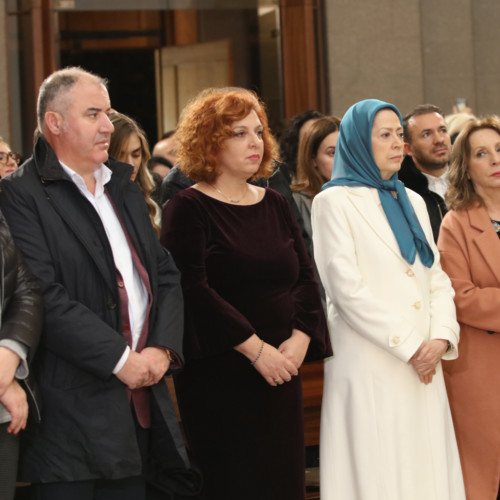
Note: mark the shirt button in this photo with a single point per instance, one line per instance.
(410, 273)
(395, 340)
(120, 284)
(417, 305)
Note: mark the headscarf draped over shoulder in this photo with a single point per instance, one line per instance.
(354, 165)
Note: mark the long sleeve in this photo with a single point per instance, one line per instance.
(309, 315)
(213, 325)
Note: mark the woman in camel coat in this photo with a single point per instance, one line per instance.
(470, 254)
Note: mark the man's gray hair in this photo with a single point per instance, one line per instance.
(58, 84)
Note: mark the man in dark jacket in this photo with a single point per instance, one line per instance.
(424, 169)
(113, 305)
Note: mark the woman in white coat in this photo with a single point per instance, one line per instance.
(386, 428)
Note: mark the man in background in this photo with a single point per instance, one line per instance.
(425, 167)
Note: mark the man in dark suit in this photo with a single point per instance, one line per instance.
(113, 305)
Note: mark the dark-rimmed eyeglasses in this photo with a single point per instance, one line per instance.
(5, 157)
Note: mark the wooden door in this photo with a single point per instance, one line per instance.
(182, 71)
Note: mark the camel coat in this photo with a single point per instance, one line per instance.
(470, 254)
(384, 434)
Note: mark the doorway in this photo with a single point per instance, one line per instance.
(131, 81)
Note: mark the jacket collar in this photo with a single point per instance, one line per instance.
(49, 169)
(479, 219)
(411, 176)
(77, 212)
(486, 239)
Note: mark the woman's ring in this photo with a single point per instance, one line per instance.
(277, 380)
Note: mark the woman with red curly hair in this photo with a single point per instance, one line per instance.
(253, 310)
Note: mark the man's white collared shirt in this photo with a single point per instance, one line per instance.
(438, 185)
(137, 293)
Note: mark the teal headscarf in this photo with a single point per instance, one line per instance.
(354, 165)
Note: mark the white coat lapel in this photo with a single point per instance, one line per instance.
(366, 202)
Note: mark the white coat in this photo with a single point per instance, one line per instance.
(384, 434)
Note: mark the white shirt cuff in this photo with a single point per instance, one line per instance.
(121, 361)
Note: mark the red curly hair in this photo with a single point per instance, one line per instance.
(205, 124)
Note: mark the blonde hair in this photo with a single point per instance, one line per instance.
(124, 128)
(461, 193)
(309, 179)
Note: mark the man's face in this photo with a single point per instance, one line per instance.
(430, 144)
(86, 128)
(167, 148)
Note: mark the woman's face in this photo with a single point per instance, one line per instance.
(387, 142)
(323, 160)
(484, 160)
(241, 154)
(7, 164)
(132, 154)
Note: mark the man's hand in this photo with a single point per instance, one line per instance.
(14, 399)
(9, 361)
(135, 373)
(158, 363)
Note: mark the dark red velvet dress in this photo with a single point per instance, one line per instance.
(244, 269)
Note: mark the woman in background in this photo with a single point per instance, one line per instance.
(294, 130)
(252, 306)
(470, 253)
(314, 165)
(129, 145)
(9, 161)
(386, 427)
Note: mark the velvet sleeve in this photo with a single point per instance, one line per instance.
(309, 316)
(213, 325)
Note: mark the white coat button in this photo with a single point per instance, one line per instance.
(395, 340)
(417, 305)
(410, 273)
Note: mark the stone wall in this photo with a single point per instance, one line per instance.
(410, 52)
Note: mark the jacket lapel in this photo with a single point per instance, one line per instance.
(84, 223)
(367, 203)
(487, 241)
(118, 193)
(79, 215)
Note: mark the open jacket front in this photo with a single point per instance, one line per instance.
(87, 428)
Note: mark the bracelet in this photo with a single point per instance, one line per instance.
(258, 355)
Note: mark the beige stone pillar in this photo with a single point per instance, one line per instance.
(410, 52)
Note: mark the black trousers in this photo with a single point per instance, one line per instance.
(9, 454)
(129, 488)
